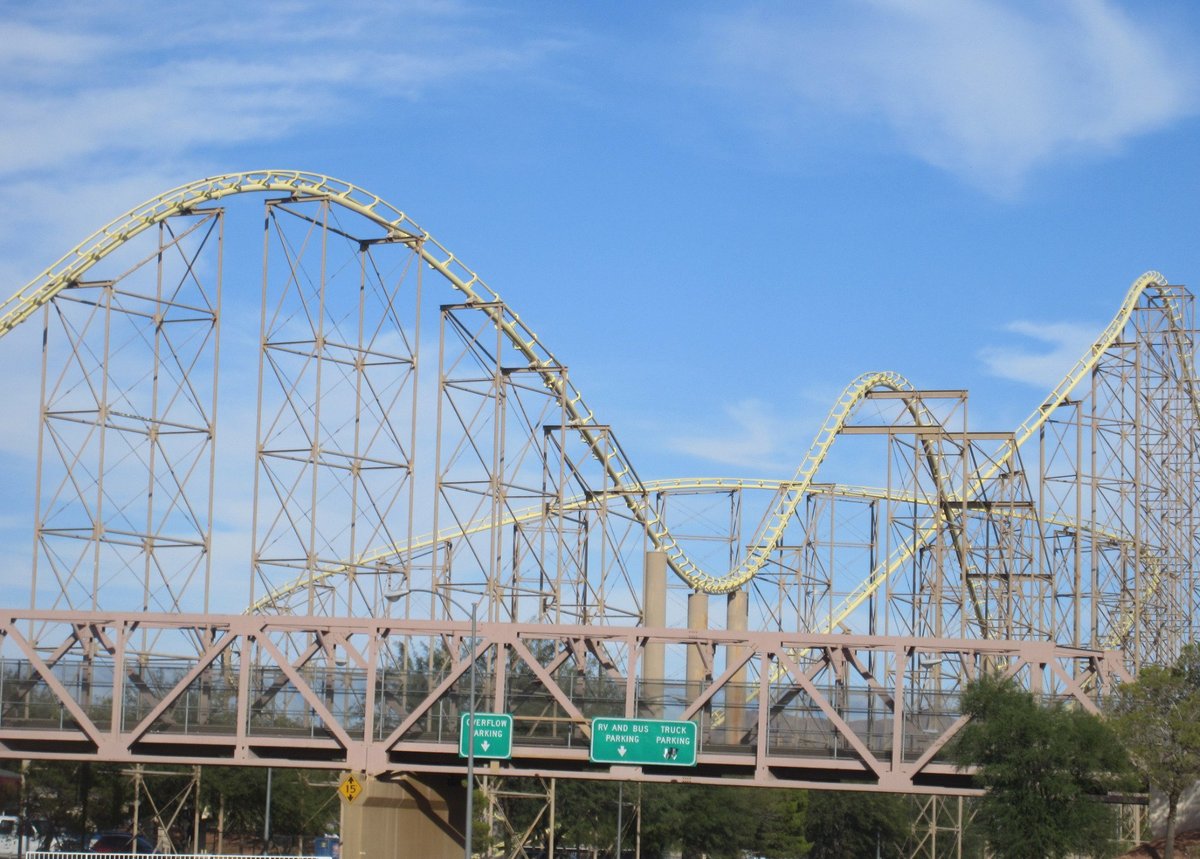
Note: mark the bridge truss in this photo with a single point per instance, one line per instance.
(404, 446)
(386, 696)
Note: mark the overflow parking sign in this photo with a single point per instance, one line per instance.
(493, 735)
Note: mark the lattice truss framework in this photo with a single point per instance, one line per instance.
(387, 695)
(129, 372)
(336, 426)
(395, 477)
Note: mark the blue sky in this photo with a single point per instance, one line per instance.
(716, 213)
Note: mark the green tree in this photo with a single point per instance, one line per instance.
(79, 797)
(303, 802)
(1158, 720)
(1044, 768)
(720, 822)
(780, 829)
(586, 813)
(664, 816)
(727, 822)
(713, 821)
(846, 825)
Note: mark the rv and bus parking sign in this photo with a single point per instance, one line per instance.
(643, 742)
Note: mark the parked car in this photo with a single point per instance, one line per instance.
(122, 843)
(35, 835)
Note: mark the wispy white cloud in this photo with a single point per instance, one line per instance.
(121, 98)
(186, 106)
(988, 90)
(1059, 346)
(38, 54)
(68, 94)
(752, 436)
(22, 392)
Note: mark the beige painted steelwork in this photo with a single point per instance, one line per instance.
(416, 447)
(70, 268)
(385, 696)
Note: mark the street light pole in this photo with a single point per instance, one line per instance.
(471, 743)
(267, 815)
(620, 808)
(468, 830)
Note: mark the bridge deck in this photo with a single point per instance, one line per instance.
(387, 696)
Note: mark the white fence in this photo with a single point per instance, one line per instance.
(73, 854)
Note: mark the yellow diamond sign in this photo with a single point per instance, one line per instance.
(350, 788)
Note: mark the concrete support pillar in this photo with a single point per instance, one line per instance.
(654, 656)
(411, 818)
(698, 620)
(736, 620)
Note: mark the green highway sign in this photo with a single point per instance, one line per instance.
(493, 735)
(643, 741)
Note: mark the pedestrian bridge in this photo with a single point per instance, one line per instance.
(388, 696)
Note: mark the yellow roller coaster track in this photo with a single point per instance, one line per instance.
(71, 267)
(1150, 282)
(280, 595)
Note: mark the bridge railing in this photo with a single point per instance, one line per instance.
(786, 708)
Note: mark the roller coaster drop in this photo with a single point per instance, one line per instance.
(396, 480)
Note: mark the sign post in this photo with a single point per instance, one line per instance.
(643, 742)
(493, 735)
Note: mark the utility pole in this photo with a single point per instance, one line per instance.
(469, 834)
(267, 814)
(550, 829)
(22, 809)
(620, 804)
(196, 811)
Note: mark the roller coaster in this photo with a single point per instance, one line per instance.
(417, 449)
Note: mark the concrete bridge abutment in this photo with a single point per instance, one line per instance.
(413, 817)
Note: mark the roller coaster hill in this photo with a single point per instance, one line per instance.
(420, 459)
